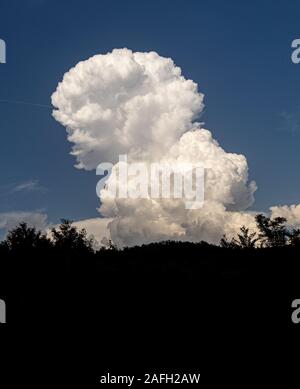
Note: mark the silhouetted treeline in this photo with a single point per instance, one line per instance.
(271, 233)
(60, 277)
(67, 240)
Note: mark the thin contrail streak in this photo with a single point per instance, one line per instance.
(25, 103)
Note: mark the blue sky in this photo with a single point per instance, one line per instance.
(238, 52)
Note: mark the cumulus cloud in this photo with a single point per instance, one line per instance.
(291, 213)
(125, 102)
(10, 220)
(96, 228)
(141, 105)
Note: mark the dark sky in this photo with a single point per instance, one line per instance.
(239, 52)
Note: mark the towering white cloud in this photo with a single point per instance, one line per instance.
(125, 102)
(141, 105)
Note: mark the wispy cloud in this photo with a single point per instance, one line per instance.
(290, 122)
(28, 186)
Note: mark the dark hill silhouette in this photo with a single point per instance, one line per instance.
(64, 270)
(157, 294)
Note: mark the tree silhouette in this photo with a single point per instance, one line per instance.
(107, 244)
(273, 232)
(67, 237)
(228, 244)
(294, 238)
(4, 249)
(244, 240)
(25, 238)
